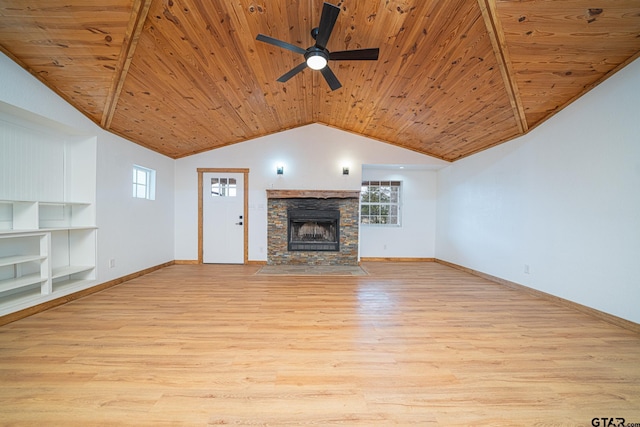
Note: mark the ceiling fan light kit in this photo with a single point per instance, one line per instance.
(317, 56)
(316, 59)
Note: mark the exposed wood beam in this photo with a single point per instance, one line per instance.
(134, 29)
(488, 9)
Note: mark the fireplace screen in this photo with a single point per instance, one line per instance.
(314, 230)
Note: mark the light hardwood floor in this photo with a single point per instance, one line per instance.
(410, 344)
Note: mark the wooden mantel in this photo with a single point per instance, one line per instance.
(313, 194)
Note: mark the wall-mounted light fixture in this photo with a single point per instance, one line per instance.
(280, 170)
(345, 170)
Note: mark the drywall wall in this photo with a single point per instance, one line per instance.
(415, 238)
(312, 156)
(136, 234)
(562, 203)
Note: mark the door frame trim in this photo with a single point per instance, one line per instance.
(244, 171)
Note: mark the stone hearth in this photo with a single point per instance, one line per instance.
(280, 202)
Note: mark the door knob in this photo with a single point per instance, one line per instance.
(239, 223)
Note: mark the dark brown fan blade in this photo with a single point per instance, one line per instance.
(280, 43)
(286, 76)
(327, 21)
(355, 55)
(331, 78)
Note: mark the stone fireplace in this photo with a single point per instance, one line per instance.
(310, 227)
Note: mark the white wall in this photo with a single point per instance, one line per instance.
(138, 234)
(416, 237)
(564, 200)
(312, 156)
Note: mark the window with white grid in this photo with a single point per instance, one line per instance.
(380, 202)
(144, 183)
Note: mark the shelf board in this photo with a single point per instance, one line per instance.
(19, 231)
(11, 260)
(30, 232)
(76, 227)
(69, 270)
(19, 282)
(42, 230)
(48, 202)
(11, 303)
(17, 201)
(67, 285)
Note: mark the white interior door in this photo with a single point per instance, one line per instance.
(223, 218)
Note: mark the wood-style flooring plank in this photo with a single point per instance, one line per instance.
(409, 344)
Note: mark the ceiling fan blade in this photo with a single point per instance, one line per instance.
(286, 76)
(355, 55)
(327, 21)
(331, 78)
(280, 43)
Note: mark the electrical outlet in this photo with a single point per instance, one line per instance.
(112, 263)
(526, 269)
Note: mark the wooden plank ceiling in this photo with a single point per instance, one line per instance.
(454, 77)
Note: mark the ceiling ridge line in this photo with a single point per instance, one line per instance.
(134, 29)
(496, 35)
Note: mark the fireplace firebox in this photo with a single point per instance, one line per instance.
(313, 230)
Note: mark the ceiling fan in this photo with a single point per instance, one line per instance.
(317, 56)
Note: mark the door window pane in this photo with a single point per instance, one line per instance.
(223, 187)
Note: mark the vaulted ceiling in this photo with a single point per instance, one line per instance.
(454, 77)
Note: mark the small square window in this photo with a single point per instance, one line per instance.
(144, 183)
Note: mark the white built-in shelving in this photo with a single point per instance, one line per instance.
(48, 234)
(50, 247)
